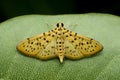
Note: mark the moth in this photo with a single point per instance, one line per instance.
(59, 42)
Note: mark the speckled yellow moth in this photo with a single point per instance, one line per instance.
(60, 43)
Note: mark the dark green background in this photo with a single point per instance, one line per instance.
(13, 8)
(104, 28)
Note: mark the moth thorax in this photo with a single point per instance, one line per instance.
(60, 29)
(59, 34)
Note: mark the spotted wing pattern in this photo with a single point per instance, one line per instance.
(61, 43)
(41, 46)
(78, 46)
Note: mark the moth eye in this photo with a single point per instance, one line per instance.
(57, 25)
(62, 24)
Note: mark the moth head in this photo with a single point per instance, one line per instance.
(60, 25)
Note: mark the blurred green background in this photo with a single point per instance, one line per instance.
(12, 8)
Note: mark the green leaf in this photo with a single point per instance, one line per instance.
(103, 66)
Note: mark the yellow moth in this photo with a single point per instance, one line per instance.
(60, 43)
